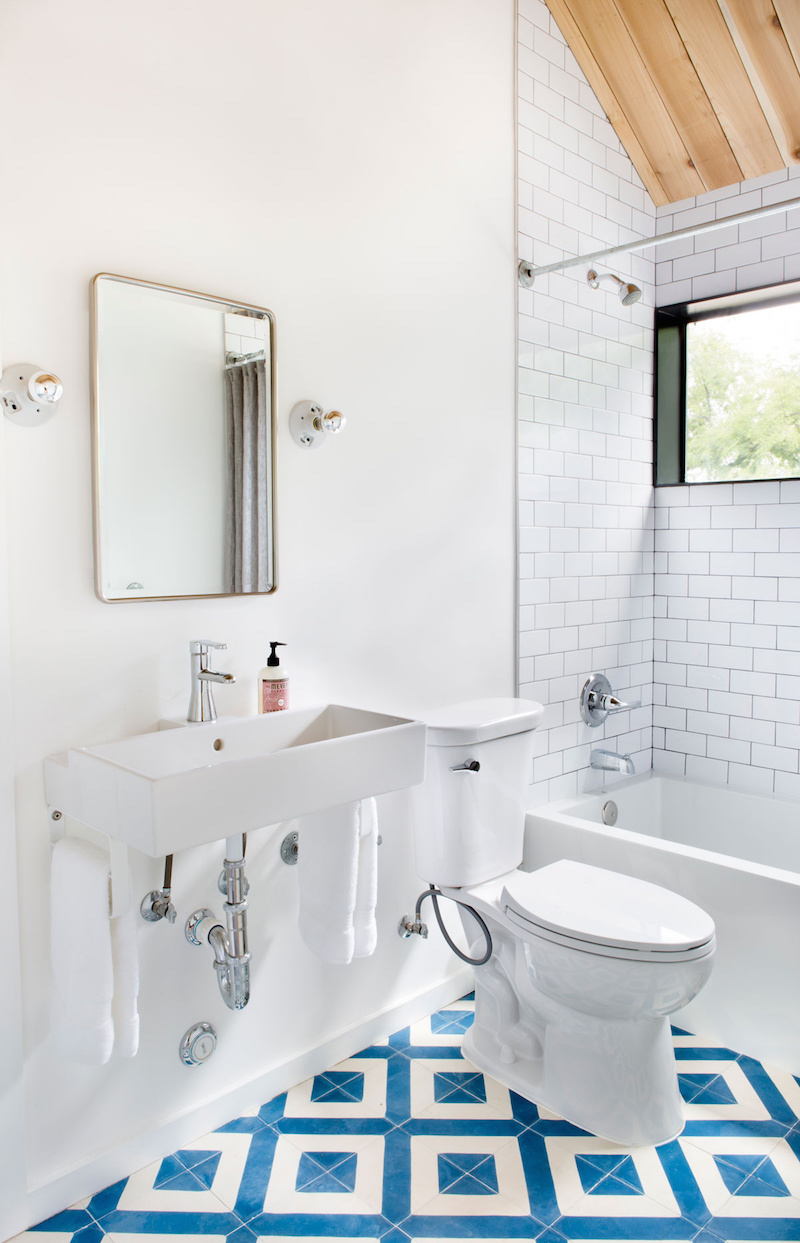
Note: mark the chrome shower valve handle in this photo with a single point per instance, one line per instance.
(598, 700)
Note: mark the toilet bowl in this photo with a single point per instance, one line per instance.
(571, 1009)
(573, 1014)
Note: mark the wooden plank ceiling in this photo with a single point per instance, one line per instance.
(702, 93)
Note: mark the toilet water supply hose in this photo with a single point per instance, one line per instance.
(435, 894)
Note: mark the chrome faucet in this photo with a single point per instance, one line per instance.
(201, 703)
(612, 761)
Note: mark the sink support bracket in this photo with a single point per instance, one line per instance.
(121, 894)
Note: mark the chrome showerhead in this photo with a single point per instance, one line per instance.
(628, 293)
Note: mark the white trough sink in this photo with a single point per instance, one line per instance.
(176, 788)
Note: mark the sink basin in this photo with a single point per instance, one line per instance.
(176, 788)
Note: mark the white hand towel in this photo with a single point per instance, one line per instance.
(365, 929)
(80, 939)
(94, 958)
(327, 866)
(337, 874)
(125, 958)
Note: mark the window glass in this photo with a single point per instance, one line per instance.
(743, 395)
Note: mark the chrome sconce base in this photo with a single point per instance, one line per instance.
(311, 426)
(28, 394)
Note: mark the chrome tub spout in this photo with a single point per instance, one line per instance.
(612, 761)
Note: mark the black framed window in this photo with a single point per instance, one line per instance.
(728, 388)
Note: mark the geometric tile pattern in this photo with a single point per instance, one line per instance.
(408, 1141)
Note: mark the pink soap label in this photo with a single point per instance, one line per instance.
(275, 696)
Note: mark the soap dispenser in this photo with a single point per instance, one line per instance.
(273, 685)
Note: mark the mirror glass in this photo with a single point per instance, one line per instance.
(183, 443)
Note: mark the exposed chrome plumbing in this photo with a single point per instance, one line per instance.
(229, 944)
(158, 904)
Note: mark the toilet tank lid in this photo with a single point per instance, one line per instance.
(480, 720)
(607, 908)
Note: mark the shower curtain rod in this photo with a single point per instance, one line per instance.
(528, 273)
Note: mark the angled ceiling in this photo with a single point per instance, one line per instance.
(702, 93)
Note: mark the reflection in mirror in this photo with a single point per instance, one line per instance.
(183, 442)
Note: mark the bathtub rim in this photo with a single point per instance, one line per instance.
(555, 811)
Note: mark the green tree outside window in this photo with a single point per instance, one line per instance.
(743, 396)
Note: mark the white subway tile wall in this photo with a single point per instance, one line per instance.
(726, 670)
(585, 406)
(690, 598)
(243, 334)
(755, 253)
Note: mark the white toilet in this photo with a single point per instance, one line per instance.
(571, 1009)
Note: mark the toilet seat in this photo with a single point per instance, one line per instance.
(602, 912)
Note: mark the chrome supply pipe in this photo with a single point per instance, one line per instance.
(158, 903)
(231, 953)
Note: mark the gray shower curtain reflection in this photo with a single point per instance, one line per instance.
(247, 563)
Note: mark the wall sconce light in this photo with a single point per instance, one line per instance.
(311, 426)
(28, 394)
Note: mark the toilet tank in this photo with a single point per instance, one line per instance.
(469, 823)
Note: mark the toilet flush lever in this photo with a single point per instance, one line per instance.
(470, 766)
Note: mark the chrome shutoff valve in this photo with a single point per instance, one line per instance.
(157, 905)
(412, 927)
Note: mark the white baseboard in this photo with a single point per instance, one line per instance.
(86, 1180)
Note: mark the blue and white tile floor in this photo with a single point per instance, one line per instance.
(408, 1141)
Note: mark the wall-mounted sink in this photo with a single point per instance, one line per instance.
(175, 788)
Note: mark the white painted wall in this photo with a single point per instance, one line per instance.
(12, 1099)
(374, 147)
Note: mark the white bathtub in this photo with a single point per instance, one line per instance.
(735, 854)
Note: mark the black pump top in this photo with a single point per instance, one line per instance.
(272, 660)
